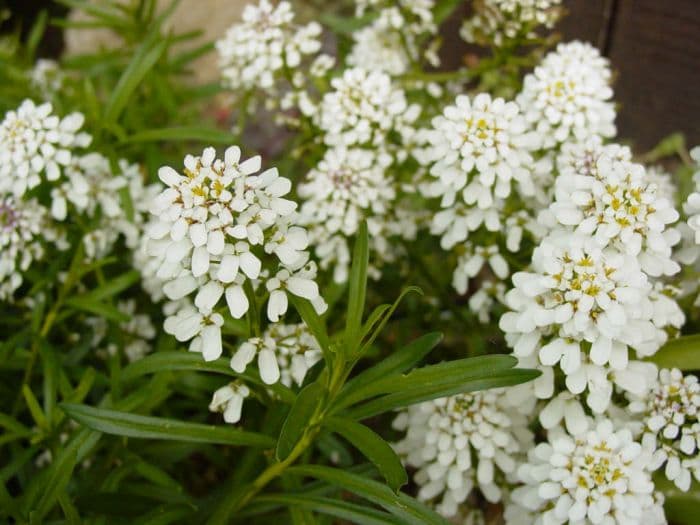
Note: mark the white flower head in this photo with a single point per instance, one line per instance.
(284, 353)
(615, 202)
(255, 52)
(479, 154)
(363, 108)
(460, 443)
(501, 21)
(229, 400)
(35, 144)
(568, 96)
(598, 476)
(671, 413)
(583, 308)
(23, 223)
(220, 224)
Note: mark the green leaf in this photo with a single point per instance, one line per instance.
(373, 447)
(682, 353)
(182, 133)
(408, 510)
(299, 419)
(143, 60)
(34, 407)
(668, 146)
(332, 507)
(444, 9)
(174, 361)
(357, 289)
(313, 321)
(113, 286)
(145, 427)
(87, 304)
(382, 317)
(397, 363)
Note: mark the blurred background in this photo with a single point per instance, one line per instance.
(654, 48)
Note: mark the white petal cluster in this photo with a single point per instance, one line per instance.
(671, 413)
(35, 145)
(92, 189)
(612, 200)
(598, 476)
(229, 400)
(22, 226)
(136, 334)
(692, 205)
(480, 150)
(47, 77)
(363, 108)
(568, 95)
(390, 42)
(583, 308)
(255, 52)
(461, 443)
(218, 225)
(284, 353)
(500, 21)
(345, 188)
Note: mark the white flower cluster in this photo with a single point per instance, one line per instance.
(347, 186)
(692, 205)
(599, 476)
(22, 226)
(462, 443)
(35, 144)
(389, 43)
(285, 353)
(672, 428)
(363, 108)
(93, 190)
(136, 334)
(229, 400)
(502, 21)
(568, 95)
(583, 308)
(218, 227)
(266, 44)
(479, 155)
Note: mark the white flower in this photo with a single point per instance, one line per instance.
(489, 294)
(229, 400)
(47, 77)
(583, 308)
(363, 108)
(377, 48)
(612, 200)
(479, 152)
(598, 476)
(568, 96)
(473, 260)
(35, 144)
(255, 52)
(22, 226)
(219, 225)
(346, 187)
(460, 443)
(204, 330)
(692, 205)
(500, 21)
(672, 432)
(285, 353)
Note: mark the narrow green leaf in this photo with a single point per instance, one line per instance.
(174, 361)
(143, 60)
(34, 407)
(396, 363)
(373, 447)
(407, 509)
(357, 289)
(145, 427)
(114, 285)
(313, 321)
(182, 133)
(384, 318)
(87, 304)
(682, 353)
(36, 34)
(390, 402)
(444, 9)
(57, 478)
(12, 425)
(332, 507)
(298, 419)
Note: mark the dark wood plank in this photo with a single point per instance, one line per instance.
(655, 48)
(585, 20)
